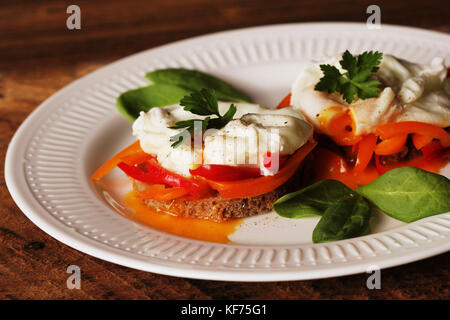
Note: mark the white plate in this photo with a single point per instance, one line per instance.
(53, 153)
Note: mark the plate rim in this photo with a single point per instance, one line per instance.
(27, 203)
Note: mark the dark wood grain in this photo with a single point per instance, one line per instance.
(38, 56)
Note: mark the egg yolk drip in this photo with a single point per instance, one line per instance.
(337, 123)
(197, 229)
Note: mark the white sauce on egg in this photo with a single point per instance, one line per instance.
(243, 141)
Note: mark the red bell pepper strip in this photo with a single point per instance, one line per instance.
(169, 178)
(253, 187)
(355, 147)
(365, 151)
(380, 168)
(432, 150)
(286, 102)
(138, 174)
(218, 172)
(156, 174)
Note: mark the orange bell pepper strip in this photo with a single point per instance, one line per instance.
(256, 186)
(331, 165)
(286, 102)
(365, 151)
(161, 193)
(109, 165)
(391, 145)
(386, 131)
(137, 158)
(420, 140)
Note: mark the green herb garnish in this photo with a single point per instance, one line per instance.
(169, 86)
(132, 102)
(204, 103)
(407, 194)
(189, 125)
(312, 200)
(194, 80)
(358, 81)
(346, 219)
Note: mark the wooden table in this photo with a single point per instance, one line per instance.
(39, 55)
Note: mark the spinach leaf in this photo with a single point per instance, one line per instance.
(345, 219)
(132, 102)
(195, 81)
(313, 200)
(409, 194)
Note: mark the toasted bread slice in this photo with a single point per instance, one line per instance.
(220, 209)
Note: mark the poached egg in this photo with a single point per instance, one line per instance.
(253, 132)
(410, 92)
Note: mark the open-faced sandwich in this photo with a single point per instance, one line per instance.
(355, 133)
(212, 160)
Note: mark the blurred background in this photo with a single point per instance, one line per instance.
(36, 29)
(39, 55)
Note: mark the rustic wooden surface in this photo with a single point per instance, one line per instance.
(38, 56)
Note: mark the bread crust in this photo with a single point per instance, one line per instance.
(218, 208)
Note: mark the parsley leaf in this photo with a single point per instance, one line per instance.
(357, 81)
(331, 81)
(204, 103)
(189, 125)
